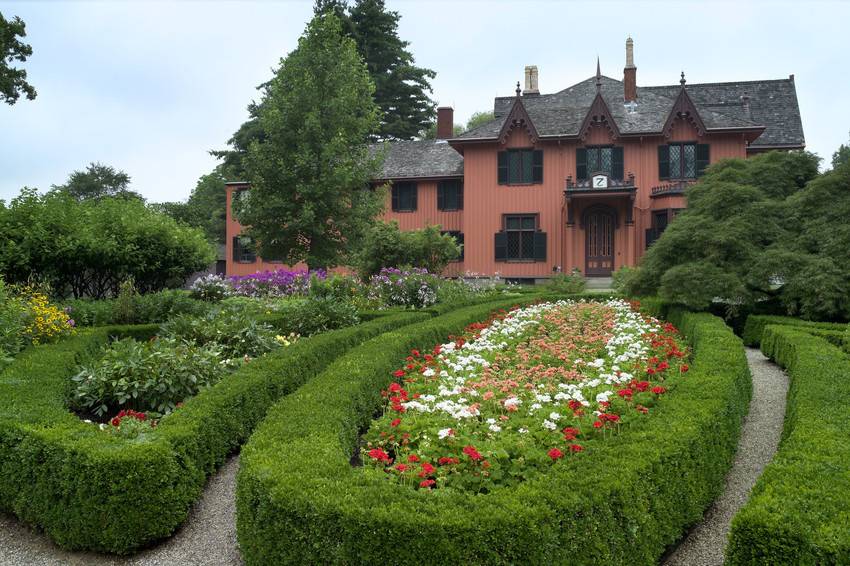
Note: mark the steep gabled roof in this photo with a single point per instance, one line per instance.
(719, 107)
(517, 118)
(685, 109)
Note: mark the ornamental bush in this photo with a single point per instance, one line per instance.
(621, 501)
(232, 334)
(90, 489)
(797, 511)
(12, 316)
(409, 287)
(146, 376)
(755, 325)
(144, 309)
(210, 287)
(566, 283)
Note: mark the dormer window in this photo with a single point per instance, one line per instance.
(599, 159)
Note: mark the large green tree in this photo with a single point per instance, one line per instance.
(310, 196)
(402, 90)
(732, 242)
(841, 155)
(96, 182)
(13, 81)
(205, 208)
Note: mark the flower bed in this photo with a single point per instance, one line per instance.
(798, 510)
(511, 397)
(623, 500)
(108, 492)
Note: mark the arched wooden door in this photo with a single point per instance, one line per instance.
(599, 241)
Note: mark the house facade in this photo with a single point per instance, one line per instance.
(585, 178)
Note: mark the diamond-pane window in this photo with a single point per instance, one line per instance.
(605, 159)
(689, 170)
(520, 230)
(675, 161)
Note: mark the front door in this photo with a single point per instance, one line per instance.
(599, 243)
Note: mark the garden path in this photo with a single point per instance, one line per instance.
(706, 542)
(207, 538)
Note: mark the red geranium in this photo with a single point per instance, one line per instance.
(555, 454)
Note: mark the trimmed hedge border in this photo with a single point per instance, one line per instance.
(621, 501)
(799, 510)
(754, 327)
(93, 491)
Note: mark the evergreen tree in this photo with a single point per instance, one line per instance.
(13, 81)
(309, 179)
(401, 88)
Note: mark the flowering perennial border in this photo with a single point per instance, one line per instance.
(620, 501)
(519, 393)
(106, 492)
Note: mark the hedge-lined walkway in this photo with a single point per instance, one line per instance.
(208, 538)
(705, 544)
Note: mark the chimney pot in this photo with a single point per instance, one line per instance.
(630, 73)
(531, 80)
(445, 122)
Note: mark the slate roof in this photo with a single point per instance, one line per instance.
(773, 105)
(416, 159)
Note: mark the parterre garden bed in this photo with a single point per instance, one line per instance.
(599, 465)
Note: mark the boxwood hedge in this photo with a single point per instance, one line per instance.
(755, 324)
(621, 501)
(799, 510)
(90, 490)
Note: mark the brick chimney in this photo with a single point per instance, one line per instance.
(630, 73)
(530, 80)
(445, 122)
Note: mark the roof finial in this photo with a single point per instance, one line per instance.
(518, 90)
(598, 75)
(682, 80)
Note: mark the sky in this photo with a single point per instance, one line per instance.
(151, 87)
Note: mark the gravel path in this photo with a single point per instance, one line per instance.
(208, 536)
(706, 542)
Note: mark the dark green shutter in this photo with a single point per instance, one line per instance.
(537, 167)
(459, 240)
(581, 164)
(236, 250)
(501, 246)
(414, 188)
(617, 163)
(540, 246)
(394, 199)
(503, 167)
(663, 161)
(460, 195)
(702, 158)
(441, 195)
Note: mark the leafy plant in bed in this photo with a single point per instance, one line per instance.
(152, 378)
(520, 392)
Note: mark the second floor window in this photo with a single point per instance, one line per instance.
(682, 160)
(599, 159)
(520, 167)
(450, 195)
(404, 196)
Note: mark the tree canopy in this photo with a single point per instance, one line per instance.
(477, 119)
(402, 89)
(384, 245)
(13, 81)
(205, 208)
(760, 228)
(841, 155)
(310, 193)
(96, 182)
(86, 248)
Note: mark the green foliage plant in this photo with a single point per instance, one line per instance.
(566, 283)
(13, 81)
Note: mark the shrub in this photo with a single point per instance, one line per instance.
(623, 278)
(210, 287)
(12, 315)
(145, 376)
(88, 489)
(566, 283)
(797, 511)
(755, 325)
(387, 246)
(146, 309)
(338, 287)
(314, 315)
(234, 334)
(124, 307)
(622, 501)
(409, 287)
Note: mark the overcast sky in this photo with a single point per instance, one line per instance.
(151, 87)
